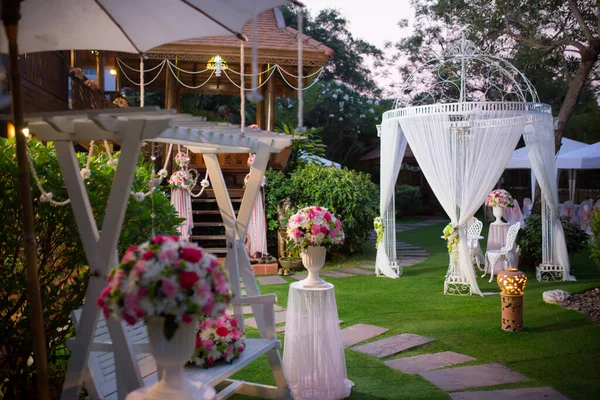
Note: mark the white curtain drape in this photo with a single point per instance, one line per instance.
(539, 138)
(182, 201)
(462, 157)
(393, 146)
(256, 234)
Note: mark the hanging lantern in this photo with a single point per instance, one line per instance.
(512, 282)
(217, 64)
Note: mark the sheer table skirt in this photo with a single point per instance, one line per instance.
(313, 355)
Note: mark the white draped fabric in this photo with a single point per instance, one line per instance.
(539, 138)
(462, 159)
(256, 234)
(182, 201)
(393, 146)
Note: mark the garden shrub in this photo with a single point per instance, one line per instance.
(62, 266)
(350, 195)
(595, 239)
(530, 240)
(408, 200)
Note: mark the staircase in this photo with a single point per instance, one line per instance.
(209, 229)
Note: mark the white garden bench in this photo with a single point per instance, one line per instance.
(100, 380)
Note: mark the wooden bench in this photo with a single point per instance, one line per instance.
(100, 379)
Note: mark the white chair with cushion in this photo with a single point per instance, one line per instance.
(474, 229)
(506, 253)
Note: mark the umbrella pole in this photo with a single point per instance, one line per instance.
(11, 16)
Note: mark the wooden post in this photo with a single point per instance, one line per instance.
(172, 89)
(10, 17)
(270, 103)
(260, 106)
(100, 69)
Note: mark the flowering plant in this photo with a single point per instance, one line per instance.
(92, 84)
(378, 226)
(499, 198)
(182, 159)
(254, 127)
(166, 277)
(251, 159)
(180, 179)
(121, 102)
(77, 72)
(247, 177)
(452, 238)
(314, 226)
(218, 339)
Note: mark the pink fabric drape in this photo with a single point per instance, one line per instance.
(256, 234)
(182, 201)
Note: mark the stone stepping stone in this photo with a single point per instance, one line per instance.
(452, 379)
(359, 333)
(335, 274)
(369, 266)
(425, 362)
(270, 280)
(298, 277)
(393, 344)
(279, 318)
(357, 271)
(537, 393)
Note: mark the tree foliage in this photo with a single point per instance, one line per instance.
(62, 265)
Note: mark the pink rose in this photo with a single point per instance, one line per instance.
(324, 229)
(168, 255)
(187, 279)
(159, 239)
(129, 319)
(315, 229)
(168, 287)
(208, 344)
(128, 257)
(297, 233)
(148, 255)
(192, 255)
(186, 318)
(327, 216)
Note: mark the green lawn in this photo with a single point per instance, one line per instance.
(558, 348)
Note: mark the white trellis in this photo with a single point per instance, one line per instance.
(463, 114)
(131, 128)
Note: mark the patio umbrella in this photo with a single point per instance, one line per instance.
(132, 26)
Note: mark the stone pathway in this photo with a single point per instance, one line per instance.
(392, 345)
(270, 280)
(359, 333)
(473, 376)
(538, 393)
(425, 362)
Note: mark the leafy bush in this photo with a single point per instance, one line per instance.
(350, 195)
(408, 200)
(62, 266)
(595, 240)
(530, 240)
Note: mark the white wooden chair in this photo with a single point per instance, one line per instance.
(506, 253)
(100, 378)
(474, 229)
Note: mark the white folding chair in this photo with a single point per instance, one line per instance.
(506, 253)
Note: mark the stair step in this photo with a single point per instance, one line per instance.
(212, 212)
(208, 224)
(213, 200)
(214, 250)
(208, 237)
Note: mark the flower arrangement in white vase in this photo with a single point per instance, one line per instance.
(219, 339)
(314, 229)
(170, 284)
(499, 199)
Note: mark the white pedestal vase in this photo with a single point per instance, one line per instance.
(171, 356)
(313, 258)
(498, 213)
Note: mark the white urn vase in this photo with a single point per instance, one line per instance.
(171, 356)
(498, 213)
(313, 258)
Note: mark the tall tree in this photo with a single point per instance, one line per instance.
(554, 42)
(348, 62)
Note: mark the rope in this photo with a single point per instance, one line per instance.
(249, 89)
(186, 71)
(137, 70)
(46, 197)
(306, 88)
(300, 72)
(188, 86)
(162, 64)
(142, 91)
(260, 73)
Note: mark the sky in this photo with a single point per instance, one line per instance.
(372, 20)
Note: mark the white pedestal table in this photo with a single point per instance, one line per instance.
(313, 354)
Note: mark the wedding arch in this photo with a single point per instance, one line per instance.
(463, 115)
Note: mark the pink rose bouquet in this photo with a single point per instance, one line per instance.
(315, 226)
(218, 339)
(499, 198)
(181, 179)
(247, 178)
(182, 159)
(166, 277)
(121, 102)
(77, 72)
(92, 84)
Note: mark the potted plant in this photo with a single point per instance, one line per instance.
(170, 284)
(292, 260)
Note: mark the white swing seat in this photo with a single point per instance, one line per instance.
(101, 381)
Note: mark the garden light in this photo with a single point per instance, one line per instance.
(512, 282)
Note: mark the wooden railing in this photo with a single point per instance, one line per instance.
(86, 97)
